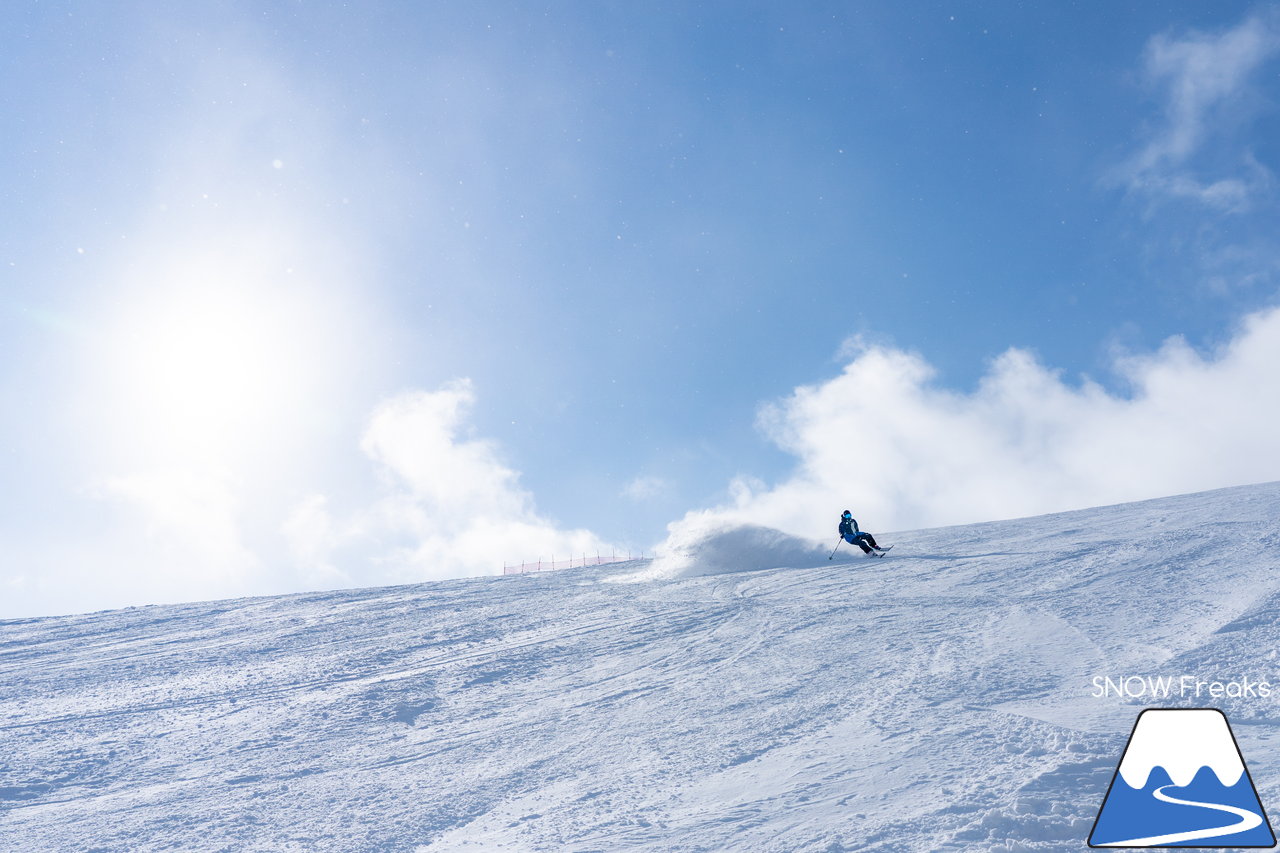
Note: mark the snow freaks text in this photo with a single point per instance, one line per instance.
(1178, 687)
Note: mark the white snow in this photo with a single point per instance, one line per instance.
(696, 551)
(939, 699)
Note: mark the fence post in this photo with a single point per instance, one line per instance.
(548, 565)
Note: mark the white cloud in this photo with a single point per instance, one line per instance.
(1228, 195)
(414, 437)
(167, 535)
(196, 510)
(312, 537)
(1201, 71)
(451, 506)
(645, 488)
(883, 440)
(1203, 77)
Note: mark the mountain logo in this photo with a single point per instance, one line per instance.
(1182, 782)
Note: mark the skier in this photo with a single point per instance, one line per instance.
(851, 534)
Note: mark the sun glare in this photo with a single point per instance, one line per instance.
(210, 359)
(213, 363)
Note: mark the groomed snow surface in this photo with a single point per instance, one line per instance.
(939, 699)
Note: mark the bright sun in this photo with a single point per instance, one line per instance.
(214, 362)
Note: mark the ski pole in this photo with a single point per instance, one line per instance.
(837, 548)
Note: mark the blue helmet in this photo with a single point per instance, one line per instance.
(847, 514)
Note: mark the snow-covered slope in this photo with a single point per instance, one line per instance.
(939, 699)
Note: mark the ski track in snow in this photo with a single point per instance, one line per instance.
(936, 700)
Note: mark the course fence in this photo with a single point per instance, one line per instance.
(571, 563)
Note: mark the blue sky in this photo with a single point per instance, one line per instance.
(298, 294)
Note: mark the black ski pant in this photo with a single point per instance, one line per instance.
(865, 541)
